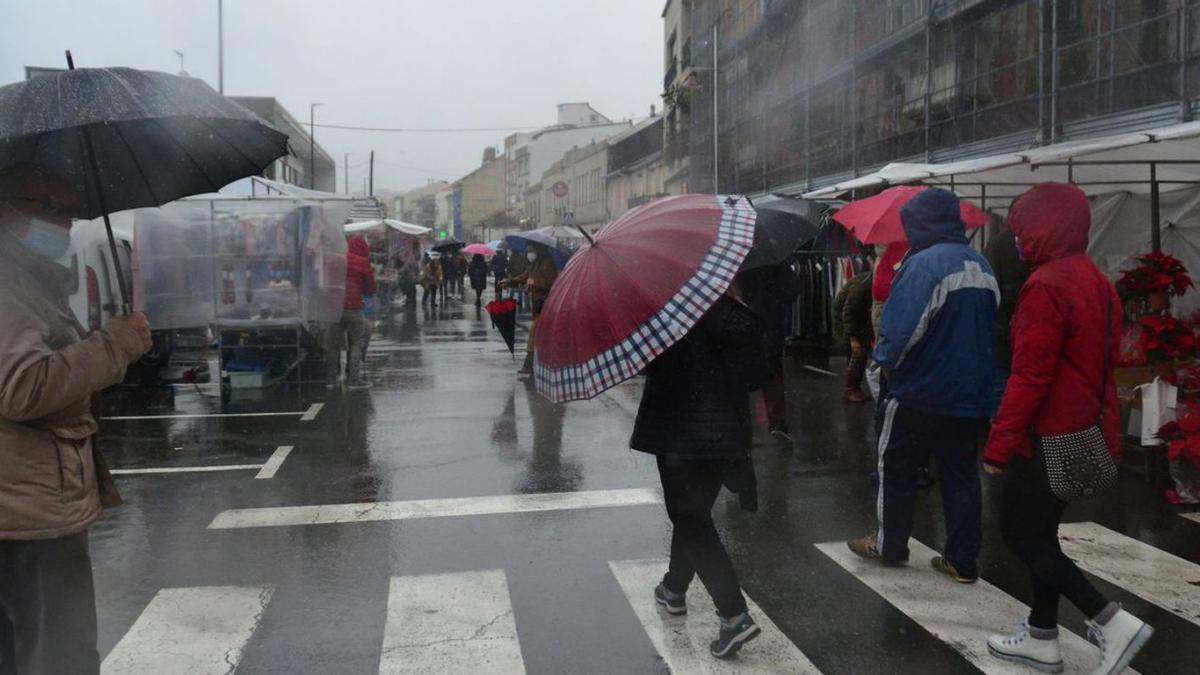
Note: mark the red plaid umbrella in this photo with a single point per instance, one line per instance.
(642, 285)
(876, 220)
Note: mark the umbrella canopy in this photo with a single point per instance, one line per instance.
(399, 226)
(780, 229)
(646, 282)
(876, 220)
(448, 244)
(560, 240)
(497, 244)
(156, 137)
(479, 249)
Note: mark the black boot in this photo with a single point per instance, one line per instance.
(527, 368)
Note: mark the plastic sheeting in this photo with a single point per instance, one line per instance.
(1121, 231)
(240, 263)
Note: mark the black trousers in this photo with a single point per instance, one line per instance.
(47, 608)
(1030, 515)
(690, 489)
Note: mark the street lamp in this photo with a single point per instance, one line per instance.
(346, 171)
(693, 82)
(312, 147)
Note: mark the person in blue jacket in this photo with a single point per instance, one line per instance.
(937, 350)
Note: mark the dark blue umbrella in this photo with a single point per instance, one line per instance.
(130, 138)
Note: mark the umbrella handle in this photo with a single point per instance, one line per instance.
(95, 172)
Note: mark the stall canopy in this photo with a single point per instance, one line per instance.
(399, 226)
(1147, 163)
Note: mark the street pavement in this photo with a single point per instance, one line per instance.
(450, 520)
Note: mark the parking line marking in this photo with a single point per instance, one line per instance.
(1147, 572)
(820, 371)
(312, 412)
(274, 462)
(191, 416)
(187, 469)
(325, 514)
(190, 630)
(450, 623)
(682, 641)
(959, 615)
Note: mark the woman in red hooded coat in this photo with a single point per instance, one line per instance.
(1060, 384)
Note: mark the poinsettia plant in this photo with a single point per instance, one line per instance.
(1183, 436)
(1155, 273)
(1166, 338)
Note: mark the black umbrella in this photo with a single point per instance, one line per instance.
(504, 318)
(782, 227)
(448, 244)
(130, 138)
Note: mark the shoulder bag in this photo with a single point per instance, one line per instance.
(1079, 465)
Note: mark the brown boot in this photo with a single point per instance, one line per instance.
(853, 392)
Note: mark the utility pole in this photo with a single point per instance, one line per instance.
(346, 172)
(312, 147)
(371, 173)
(716, 110)
(220, 47)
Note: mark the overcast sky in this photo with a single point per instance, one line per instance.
(383, 63)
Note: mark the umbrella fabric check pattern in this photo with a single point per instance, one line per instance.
(591, 338)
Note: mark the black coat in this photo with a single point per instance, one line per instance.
(696, 403)
(478, 271)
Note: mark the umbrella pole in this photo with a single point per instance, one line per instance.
(95, 177)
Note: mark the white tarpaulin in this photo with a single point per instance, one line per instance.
(399, 226)
(1120, 231)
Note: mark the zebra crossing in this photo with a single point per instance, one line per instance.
(464, 622)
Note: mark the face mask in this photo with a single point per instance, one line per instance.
(1020, 254)
(47, 239)
(531, 256)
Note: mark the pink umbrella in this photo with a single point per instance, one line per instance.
(876, 220)
(478, 249)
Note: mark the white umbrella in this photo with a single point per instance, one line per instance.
(399, 226)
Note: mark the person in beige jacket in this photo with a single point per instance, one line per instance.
(50, 367)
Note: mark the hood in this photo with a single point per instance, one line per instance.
(358, 246)
(933, 217)
(1051, 221)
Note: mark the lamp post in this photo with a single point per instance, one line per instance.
(312, 147)
(346, 171)
(693, 82)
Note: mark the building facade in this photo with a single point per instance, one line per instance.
(574, 185)
(419, 206)
(677, 98)
(810, 92)
(294, 167)
(482, 200)
(637, 172)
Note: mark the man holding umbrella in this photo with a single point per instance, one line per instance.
(51, 484)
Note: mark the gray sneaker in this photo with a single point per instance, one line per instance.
(731, 639)
(675, 603)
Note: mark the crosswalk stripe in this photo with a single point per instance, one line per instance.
(1193, 516)
(450, 623)
(190, 630)
(1153, 575)
(431, 508)
(682, 641)
(960, 615)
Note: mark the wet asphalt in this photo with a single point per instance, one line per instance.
(446, 418)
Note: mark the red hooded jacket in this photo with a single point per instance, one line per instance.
(1058, 329)
(360, 277)
(885, 270)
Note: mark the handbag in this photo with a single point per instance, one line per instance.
(1079, 465)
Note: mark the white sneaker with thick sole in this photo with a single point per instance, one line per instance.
(1023, 648)
(1119, 640)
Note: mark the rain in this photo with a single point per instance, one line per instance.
(688, 336)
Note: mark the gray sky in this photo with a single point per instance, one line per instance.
(383, 63)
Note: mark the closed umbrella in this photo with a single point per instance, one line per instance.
(504, 317)
(131, 138)
(645, 282)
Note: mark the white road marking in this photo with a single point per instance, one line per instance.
(190, 630)
(312, 412)
(682, 641)
(274, 462)
(431, 508)
(1194, 516)
(450, 623)
(187, 469)
(1153, 575)
(190, 416)
(820, 371)
(960, 615)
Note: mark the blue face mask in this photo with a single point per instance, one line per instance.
(46, 239)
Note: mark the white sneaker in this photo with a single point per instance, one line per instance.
(1023, 648)
(1119, 640)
